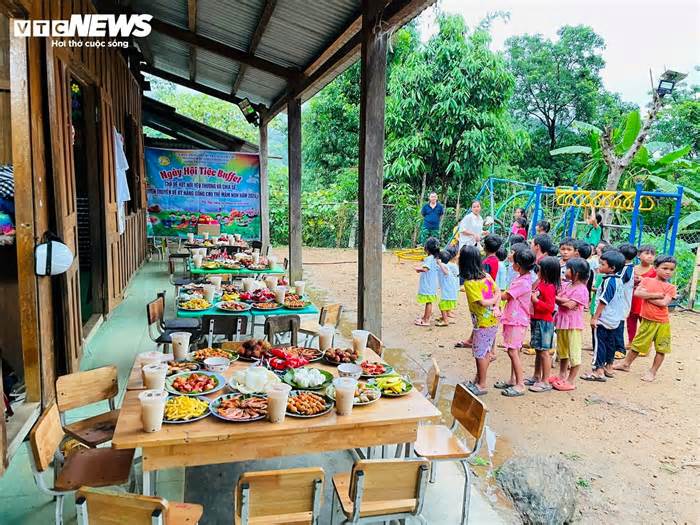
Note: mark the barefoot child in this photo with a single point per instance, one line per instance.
(656, 294)
(516, 319)
(448, 278)
(572, 299)
(482, 295)
(607, 316)
(645, 268)
(428, 280)
(542, 322)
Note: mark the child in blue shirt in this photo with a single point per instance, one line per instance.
(428, 280)
(448, 279)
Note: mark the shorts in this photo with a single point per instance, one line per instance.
(426, 298)
(541, 334)
(569, 345)
(652, 332)
(446, 306)
(513, 336)
(482, 340)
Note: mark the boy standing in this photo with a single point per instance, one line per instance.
(656, 293)
(541, 244)
(627, 277)
(607, 316)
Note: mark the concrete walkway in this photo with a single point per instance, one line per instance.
(116, 342)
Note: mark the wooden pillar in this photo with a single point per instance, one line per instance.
(371, 176)
(294, 160)
(264, 188)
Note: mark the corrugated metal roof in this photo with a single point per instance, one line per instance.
(170, 54)
(231, 22)
(260, 87)
(173, 11)
(215, 71)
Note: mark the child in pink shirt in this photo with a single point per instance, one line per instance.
(516, 320)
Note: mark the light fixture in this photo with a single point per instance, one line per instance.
(249, 111)
(668, 81)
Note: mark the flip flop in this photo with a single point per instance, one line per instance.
(474, 389)
(440, 322)
(564, 386)
(529, 351)
(462, 344)
(609, 375)
(420, 322)
(540, 387)
(512, 392)
(552, 380)
(619, 355)
(502, 385)
(530, 381)
(593, 377)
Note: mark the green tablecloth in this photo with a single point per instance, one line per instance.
(242, 272)
(310, 309)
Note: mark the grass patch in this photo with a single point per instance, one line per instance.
(583, 483)
(478, 461)
(571, 456)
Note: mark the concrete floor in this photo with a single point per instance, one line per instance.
(116, 342)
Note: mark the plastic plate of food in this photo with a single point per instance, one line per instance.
(307, 378)
(338, 356)
(375, 369)
(392, 385)
(296, 305)
(253, 349)
(232, 306)
(365, 393)
(310, 354)
(205, 353)
(185, 409)
(266, 306)
(239, 408)
(253, 380)
(196, 304)
(194, 383)
(302, 403)
(177, 367)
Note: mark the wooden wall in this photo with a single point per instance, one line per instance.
(5, 127)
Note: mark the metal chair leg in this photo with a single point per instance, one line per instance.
(433, 470)
(467, 492)
(332, 507)
(59, 510)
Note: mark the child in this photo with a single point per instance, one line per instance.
(492, 243)
(482, 295)
(645, 268)
(428, 281)
(656, 294)
(448, 278)
(595, 227)
(607, 316)
(522, 227)
(515, 239)
(566, 252)
(542, 227)
(541, 244)
(502, 276)
(572, 299)
(627, 277)
(518, 214)
(542, 322)
(516, 319)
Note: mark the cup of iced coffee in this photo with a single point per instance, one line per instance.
(359, 341)
(190, 237)
(344, 394)
(154, 375)
(271, 282)
(197, 260)
(277, 402)
(300, 287)
(325, 337)
(181, 344)
(152, 409)
(280, 292)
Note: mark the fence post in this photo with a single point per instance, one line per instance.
(493, 212)
(635, 211)
(676, 219)
(572, 218)
(536, 209)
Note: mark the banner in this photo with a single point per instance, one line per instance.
(190, 187)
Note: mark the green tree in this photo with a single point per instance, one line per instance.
(679, 121)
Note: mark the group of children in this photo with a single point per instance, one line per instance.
(546, 288)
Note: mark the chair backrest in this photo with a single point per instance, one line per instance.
(285, 263)
(375, 344)
(155, 310)
(388, 479)
(227, 325)
(83, 388)
(256, 245)
(278, 492)
(330, 315)
(281, 324)
(97, 507)
(469, 411)
(432, 381)
(46, 436)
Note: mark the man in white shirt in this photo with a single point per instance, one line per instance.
(471, 227)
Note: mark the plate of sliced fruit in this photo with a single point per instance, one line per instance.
(375, 369)
(392, 385)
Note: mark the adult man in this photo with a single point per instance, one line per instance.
(471, 227)
(432, 213)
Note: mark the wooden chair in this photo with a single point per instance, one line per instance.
(329, 316)
(289, 497)
(176, 280)
(432, 381)
(375, 344)
(96, 507)
(94, 467)
(282, 324)
(439, 443)
(382, 489)
(85, 388)
(230, 326)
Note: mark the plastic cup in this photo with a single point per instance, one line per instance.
(152, 409)
(271, 261)
(190, 237)
(280, 292)
(237, 236)
(325, 337)
(216, 281)
(181, 344)
(300, 286)
(205, 235)
(231, 239)
(197, 260)
(209, 291)
(271, 282)
(277, 402)
(248, 284)
(256, 257)
(359, 341)
(344, 394)
(154, 375)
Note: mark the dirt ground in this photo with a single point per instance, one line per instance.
(632, 445)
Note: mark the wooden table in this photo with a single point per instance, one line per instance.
(210, 441)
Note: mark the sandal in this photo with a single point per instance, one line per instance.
(530, 381)
(619, 355)
(463, 344)
(609, 375)
(593, 377)
(512, 392)
(502, 385)
(540, 387)
(474, 389)
(552, 380)
(529, 351)
(440, 322)
(420, 322)
(564, 386)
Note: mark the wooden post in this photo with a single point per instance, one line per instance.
(264, 188)
(694, 282)
(371, 176)
(294, 160)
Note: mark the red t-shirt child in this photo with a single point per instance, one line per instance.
(490, 264)
(637, 301)
(543, 309)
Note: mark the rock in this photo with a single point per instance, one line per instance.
(543, 489)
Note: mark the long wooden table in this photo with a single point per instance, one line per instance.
(210, 441)
(240, 272)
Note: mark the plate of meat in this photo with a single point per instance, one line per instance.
(240, 408)
(302, 403)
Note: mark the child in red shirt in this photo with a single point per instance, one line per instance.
(645, 268)
(542, 321)
(492, 243)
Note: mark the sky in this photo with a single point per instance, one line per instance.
(639, 34)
